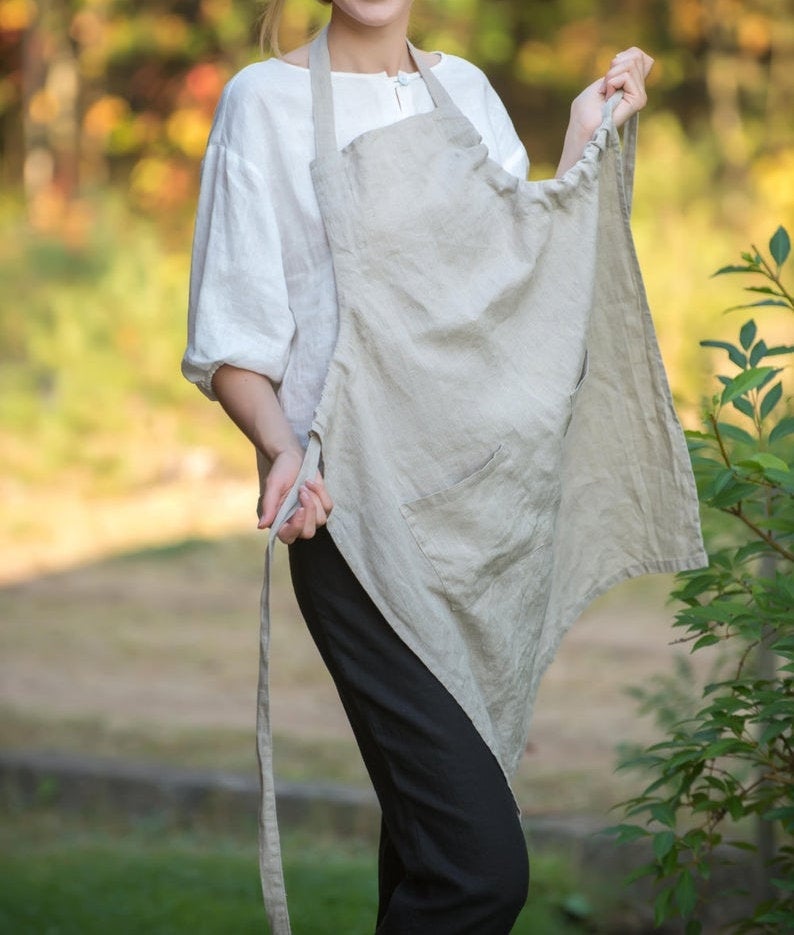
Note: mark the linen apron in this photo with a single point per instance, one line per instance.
(496, 428)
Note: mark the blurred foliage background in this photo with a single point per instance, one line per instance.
(105, 107)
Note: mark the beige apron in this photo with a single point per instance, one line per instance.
(496, 428)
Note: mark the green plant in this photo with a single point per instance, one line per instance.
(729, 767)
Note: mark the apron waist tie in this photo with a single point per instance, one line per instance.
(270, 866)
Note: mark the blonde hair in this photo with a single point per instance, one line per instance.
(269, 23)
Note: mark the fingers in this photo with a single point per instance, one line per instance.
(280, 479)
(627, 72)
(633, 63)
(317, 487)
(315, 505)
(270, 502)
(304, 521)
(314, 502)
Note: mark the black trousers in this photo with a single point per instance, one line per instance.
(453, 859)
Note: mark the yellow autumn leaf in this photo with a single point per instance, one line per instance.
(16, 15)
(104, 115)
(188, 129)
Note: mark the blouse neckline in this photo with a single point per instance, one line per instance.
(402, 77)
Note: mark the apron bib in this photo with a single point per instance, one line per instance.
(496, 428)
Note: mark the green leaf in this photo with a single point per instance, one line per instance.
(779, 707)
(732, 495)
(693, 927)
(774, 917)
(784, 645)
(747, 334)
(784, 814)
(784, 479)
(663, 844)
(695, 839)
(780, 349)
(777, 302)
(782, 429)
(771, 400)
(719, 482)
(695, 585)
(685, 893)
(725, 746)
(763, 461)
(750, 550)
(765, 290)
(734, 353)
(646, 870)
(734, 432)
(708, 640)
(664, 813)
(719, 610)
(744, 382)
(774, 730)
(758, 353)
(744, 406)
(735, 807)
(661, 906)
(743, 846)
(780, 246)
(626, 832)
(708, 463)
(750, 268)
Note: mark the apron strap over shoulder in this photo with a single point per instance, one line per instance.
(323, 98)
(437, 90)
(322, 94)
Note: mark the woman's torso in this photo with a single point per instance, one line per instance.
(284, 274)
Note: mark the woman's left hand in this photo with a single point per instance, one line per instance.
(627, 73)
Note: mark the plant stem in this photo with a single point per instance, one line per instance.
(718, 436)
(772, 543)
(773, 276)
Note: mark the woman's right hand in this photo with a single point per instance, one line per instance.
(315, 502)
(250, 400)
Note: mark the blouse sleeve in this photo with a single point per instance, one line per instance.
(238, 308)
(511, 152)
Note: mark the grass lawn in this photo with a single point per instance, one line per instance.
(70, 875)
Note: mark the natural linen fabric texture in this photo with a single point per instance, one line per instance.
(262, 293)
(496, 427)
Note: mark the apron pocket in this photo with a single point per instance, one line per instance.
(475, 530)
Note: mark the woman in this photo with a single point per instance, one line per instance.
(365, 280)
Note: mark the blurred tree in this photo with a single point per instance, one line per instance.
(123, 92)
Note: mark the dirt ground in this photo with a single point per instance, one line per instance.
(153, 654)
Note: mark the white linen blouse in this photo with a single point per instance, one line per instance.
(262, 289)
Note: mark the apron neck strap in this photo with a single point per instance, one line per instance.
(322, 94)
(323, 97)
(437, 91)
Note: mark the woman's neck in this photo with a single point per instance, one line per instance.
(359, 47)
